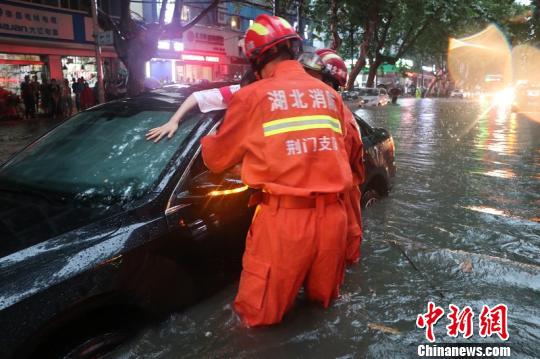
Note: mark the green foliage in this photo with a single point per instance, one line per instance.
(418, 28)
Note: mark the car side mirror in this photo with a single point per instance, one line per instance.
(208, 184)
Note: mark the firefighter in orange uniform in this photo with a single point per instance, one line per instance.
(335, 74)
(287, 130)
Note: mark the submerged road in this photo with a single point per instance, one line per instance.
(461, 226)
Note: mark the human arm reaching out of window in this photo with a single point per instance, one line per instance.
(207, 100)
(168, 129)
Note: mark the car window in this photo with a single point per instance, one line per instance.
(369, 92)
(365, 129)
(382, 91)
(99, 154)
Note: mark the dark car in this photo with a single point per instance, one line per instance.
(102, 230)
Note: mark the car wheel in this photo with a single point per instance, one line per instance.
(370, 197)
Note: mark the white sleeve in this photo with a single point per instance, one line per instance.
(210, 100)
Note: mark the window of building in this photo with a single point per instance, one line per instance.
(82, 5)
(185, 13)
(222, 18)
(111, 7)
(235, 22)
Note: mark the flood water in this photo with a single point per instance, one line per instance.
(461, 226)
(464, 210)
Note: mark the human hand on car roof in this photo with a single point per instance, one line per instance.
(157, 133)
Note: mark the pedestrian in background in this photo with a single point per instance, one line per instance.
(56, 95)
(35, 90)
(78, 88)
(394, 93)
(67, 102)
(87, 97)
(45, 95)
(28, 98)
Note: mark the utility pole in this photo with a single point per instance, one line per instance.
(101, 93)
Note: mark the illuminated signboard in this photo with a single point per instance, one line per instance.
(25, 21)
(189, 57)
(204, 40)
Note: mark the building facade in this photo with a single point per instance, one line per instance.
(211, 50)
(50, 39)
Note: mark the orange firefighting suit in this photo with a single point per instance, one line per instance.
(354, 147)
(287, 130)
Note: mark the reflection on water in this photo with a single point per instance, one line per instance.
(463, 210)
(500, 173)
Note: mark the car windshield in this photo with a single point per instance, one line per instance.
(369, 92)
(100, 154)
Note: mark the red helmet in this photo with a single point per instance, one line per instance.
(266, 32)
(312, 61)
(335, 66)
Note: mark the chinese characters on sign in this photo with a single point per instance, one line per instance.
(490, 321)
(203, 41)
(32, 22)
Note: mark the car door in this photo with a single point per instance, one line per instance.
(209, 214)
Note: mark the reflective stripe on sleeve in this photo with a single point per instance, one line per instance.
(300, 123)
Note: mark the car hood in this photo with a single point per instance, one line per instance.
(26, 221)
(48, 263)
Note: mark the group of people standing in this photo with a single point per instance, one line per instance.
(55, 98)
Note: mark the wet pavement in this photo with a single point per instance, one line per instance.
(461, 226)
(15, 134)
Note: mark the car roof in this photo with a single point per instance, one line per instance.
(165, 98)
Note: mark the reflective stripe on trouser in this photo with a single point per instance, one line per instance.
(288, 248)
(354, 225)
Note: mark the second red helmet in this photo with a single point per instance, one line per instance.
(335, 66)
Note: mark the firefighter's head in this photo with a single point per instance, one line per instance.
(325, 65)
(270, 38)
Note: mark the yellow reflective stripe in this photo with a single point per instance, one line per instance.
(301, 128)
(259, 29)
(302, 118)
(285, 23)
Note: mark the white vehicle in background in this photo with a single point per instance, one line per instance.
(457, 93)
(372, 97)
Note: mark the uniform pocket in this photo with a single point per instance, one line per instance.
(253, 281)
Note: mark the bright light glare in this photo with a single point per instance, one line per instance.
(228, 191)
(178, 46)
(504, 98)
(164, 45)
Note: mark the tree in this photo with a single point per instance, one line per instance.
(136, 42)
(386, 30)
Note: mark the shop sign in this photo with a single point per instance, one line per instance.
(204, 40)
(105, 38)
(35, 23)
